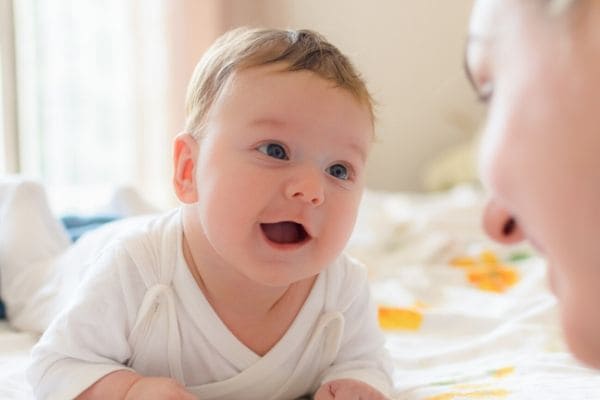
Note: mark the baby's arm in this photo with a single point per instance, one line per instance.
(362, 357)
(348, 389)
(88, 341)
(128, 385)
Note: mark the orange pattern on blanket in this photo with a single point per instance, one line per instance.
(502, 372)
(397, 318)
(487, 272)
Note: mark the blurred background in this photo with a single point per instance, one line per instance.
(92, 91)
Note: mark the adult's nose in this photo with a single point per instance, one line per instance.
(500, 225)
(307, 186)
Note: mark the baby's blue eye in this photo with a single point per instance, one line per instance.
(273, 150)
(338, 171)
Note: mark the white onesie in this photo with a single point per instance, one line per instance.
(139, 308)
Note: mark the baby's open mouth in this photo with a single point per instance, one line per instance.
(285, 232)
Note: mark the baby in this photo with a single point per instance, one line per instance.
(242, 292)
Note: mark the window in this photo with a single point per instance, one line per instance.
(91, 86)
(8, 134)
(3, 167)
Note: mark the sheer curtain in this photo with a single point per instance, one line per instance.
(92, 90)
(101, 85)
(3, 166)
(8, 128)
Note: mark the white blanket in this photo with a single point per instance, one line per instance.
(14, 356)
(470, 343)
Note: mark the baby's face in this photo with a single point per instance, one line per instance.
(540, 152)
(280, 174)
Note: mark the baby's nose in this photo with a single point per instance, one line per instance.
(500, 225)
(307, 187)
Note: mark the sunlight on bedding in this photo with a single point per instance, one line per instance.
(464, 318)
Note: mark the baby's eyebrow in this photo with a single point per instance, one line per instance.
(278, 123)
(360, 150)
(268, 121)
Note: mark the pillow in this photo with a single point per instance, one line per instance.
(66, 271)
(30, 238)
(77, 225)
(40, 267)
(455, 166)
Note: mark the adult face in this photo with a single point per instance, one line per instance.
(539, 72)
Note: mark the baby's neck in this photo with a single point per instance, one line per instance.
(239, 294)
(258, 316)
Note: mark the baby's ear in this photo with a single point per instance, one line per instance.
(185, 153)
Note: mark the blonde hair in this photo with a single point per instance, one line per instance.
(245, 48)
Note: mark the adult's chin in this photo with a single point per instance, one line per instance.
(582, 333)
(553, 280)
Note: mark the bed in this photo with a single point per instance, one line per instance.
(464, 318)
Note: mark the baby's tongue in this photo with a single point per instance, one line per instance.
(282, 232)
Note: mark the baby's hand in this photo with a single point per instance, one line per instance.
(348, 389)
(158, 388)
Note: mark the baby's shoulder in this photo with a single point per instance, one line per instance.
(132, 246)
(346, 281)
(348, 270)
(152, 246)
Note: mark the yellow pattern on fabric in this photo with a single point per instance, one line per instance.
(397, 318)
(503, 372)
(486, 272)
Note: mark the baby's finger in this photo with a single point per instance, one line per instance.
(185, 395)
(324, 393)
(345, 392)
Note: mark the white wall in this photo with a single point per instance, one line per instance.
(411, 54)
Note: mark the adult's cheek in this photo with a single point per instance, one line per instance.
(581, 329)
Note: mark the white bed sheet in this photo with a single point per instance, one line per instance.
(14, 356)
(471, 343)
